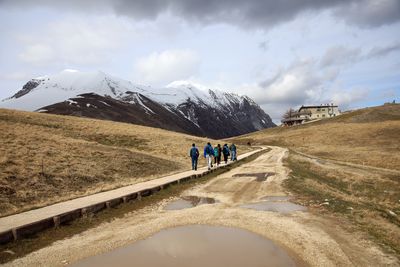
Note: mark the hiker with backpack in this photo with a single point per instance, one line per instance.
(225, 152)
(194, 154)
(208, 155)
(233, 152)
(217, 154)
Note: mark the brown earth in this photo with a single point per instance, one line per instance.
(50, 158)
(310, 238)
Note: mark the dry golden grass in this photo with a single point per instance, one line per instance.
(339, 172)
(367, 198)
(49, 158)
(369, 136)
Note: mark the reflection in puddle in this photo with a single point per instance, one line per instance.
(196, 245)
(189, 202)
(277, 206)
(276, 198)
(261, 176)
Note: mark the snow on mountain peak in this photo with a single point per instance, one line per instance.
(186, 84)
(70, 70)
(47, 90)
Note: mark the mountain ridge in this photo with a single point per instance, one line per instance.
(183, 108)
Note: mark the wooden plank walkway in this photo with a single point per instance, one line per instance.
(21, 225)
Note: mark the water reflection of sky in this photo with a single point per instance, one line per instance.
(196, 245)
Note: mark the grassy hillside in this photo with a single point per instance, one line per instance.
(368, 136)
(49, 158)
(323, 177)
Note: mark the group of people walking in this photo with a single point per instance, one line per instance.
(211, 153)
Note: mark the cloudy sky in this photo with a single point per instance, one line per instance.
(281, 53)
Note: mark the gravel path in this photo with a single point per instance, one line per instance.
(310, 239)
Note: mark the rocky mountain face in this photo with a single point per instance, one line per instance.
(182, 107)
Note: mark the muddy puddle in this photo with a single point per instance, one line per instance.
(196, 245)
(276, 206)
(189, 202)
(276, 198)
(260, 177)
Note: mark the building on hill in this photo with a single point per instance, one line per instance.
(321, 111)
(292, 117)
(310, 113)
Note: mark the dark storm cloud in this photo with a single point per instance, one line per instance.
(370, 13)
(256, 14)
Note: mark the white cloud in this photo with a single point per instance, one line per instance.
(344, 56)
(15, 76)
(86, 41)
(167, 66)
(299, 83)
(38, 54)
(340, 55)
(347, 98)
(275, 111)
(382, 51)
(263, 45)
(390, 93)
(302, 83)
(61, 38)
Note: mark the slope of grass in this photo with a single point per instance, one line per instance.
(24, 246)
(49, 158)
(370, 200)
(369, 136)
(337, 179)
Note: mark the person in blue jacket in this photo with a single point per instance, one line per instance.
(217, 154)
(225, 151)
(209, 154)
(233, 152)
(194, 154)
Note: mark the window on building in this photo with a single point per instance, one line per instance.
(323, 109)
(323, 115)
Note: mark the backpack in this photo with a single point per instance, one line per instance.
(194, 152)
(226, 150)
(216, 151)
(210, 150)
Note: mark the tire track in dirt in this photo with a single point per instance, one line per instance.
(306, 236)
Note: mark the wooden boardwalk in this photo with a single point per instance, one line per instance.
(21, 225)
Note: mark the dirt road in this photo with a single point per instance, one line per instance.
(309, 238)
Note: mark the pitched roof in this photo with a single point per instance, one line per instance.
(319, 106)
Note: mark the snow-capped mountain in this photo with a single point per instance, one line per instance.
(179, 107)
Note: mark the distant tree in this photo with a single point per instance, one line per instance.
(288, 113)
